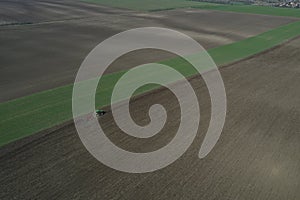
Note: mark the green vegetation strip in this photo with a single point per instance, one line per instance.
(149, 5)
(157, 5)
(27, 115)
(252, 9)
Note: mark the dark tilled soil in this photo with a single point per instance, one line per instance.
(43, 42)
(257, 156)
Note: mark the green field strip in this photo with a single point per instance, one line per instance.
(148, 5)
(158, 5)
(252, 9)
(27, 115)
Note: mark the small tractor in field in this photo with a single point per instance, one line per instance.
(100, 112)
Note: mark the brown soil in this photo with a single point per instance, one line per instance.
(44, 42)
(257, 156)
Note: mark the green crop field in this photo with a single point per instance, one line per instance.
(265, 10)
(148, 5)
(27, 115)
(157, 5)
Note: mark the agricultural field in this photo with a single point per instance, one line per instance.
(68, 40)
(158, 5)
(256, 49)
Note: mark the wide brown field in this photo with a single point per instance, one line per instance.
(257, 156)
(44, 42)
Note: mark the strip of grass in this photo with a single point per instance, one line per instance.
(27, 115)
(157, 5)
(149, 5)
(252, 9)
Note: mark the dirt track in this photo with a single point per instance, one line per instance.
(257, 156)
(44, 42)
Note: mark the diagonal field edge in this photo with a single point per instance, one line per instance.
(30, 114)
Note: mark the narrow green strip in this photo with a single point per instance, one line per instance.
(148, 5)
(27, 115)
(252, 9)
